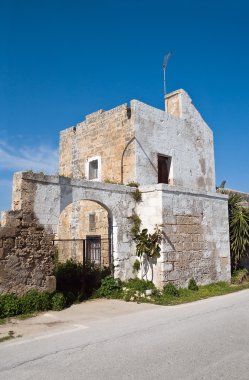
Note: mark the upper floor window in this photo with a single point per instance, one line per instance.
(93, 168)
(163, 168)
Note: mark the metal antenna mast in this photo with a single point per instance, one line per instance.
(165, 61)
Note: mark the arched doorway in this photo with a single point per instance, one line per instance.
(85, 231)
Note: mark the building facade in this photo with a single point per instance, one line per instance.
(170, 155)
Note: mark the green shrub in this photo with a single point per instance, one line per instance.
(136, 225)
(139, 285)
(133, 184)
(137, 195)
(110, 288)
(69, 277)
(136, 265)
(192, 285)
(129, 295)
(239, 276)
(170, 290)
(34, 301)
(94, 274)
(58, 301)
(238, 229)
(9, 305)
(77, 282)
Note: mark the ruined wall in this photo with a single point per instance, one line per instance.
(26, 254)
(74, 224)
(103, 134)
(46, 197)
(188, 140)
(196, 234)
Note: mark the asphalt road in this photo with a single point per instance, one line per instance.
(208, 339)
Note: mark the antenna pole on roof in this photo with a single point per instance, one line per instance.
(165, 61)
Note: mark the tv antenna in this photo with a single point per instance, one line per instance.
(165, 61)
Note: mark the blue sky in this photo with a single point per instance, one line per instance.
(61, 60)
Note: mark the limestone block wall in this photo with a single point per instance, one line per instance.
(104, 134)
(26, 254)
(187, 140)
(196, 234)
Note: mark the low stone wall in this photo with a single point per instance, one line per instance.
(26, 255)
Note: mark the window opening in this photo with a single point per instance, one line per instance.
(93, 169)
(163, 169)
(92, 222)
(93, 249)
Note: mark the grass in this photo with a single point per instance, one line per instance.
(135, 290)
(3, 321)
(8, 337)
(25, 316)
(205, 291)
(21, 317)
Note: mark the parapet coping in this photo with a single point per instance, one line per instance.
(73, 182)
(105, 114)
(161, 187)
(77, 182)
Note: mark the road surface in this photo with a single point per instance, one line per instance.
(104, 339)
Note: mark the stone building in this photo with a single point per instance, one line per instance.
(171, 156)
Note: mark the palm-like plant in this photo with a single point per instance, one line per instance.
(239, 229)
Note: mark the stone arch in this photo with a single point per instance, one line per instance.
(47, 196)
(74, 230)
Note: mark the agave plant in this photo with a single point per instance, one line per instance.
(239, 229)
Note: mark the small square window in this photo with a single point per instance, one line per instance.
(93, 169)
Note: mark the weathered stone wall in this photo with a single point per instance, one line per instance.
(187, 140)
(103, 134)
(196, 234)
(26, 254)
(181, 133)
(47, 197)
(195, 226)
(127, 142)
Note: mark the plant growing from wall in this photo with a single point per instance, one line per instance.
(147, 248)
(136, 225)
(133, 184)
(148, 244)
(137, 195)
(111, 181)
(136, 266)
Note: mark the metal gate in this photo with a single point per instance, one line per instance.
(93, 249)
